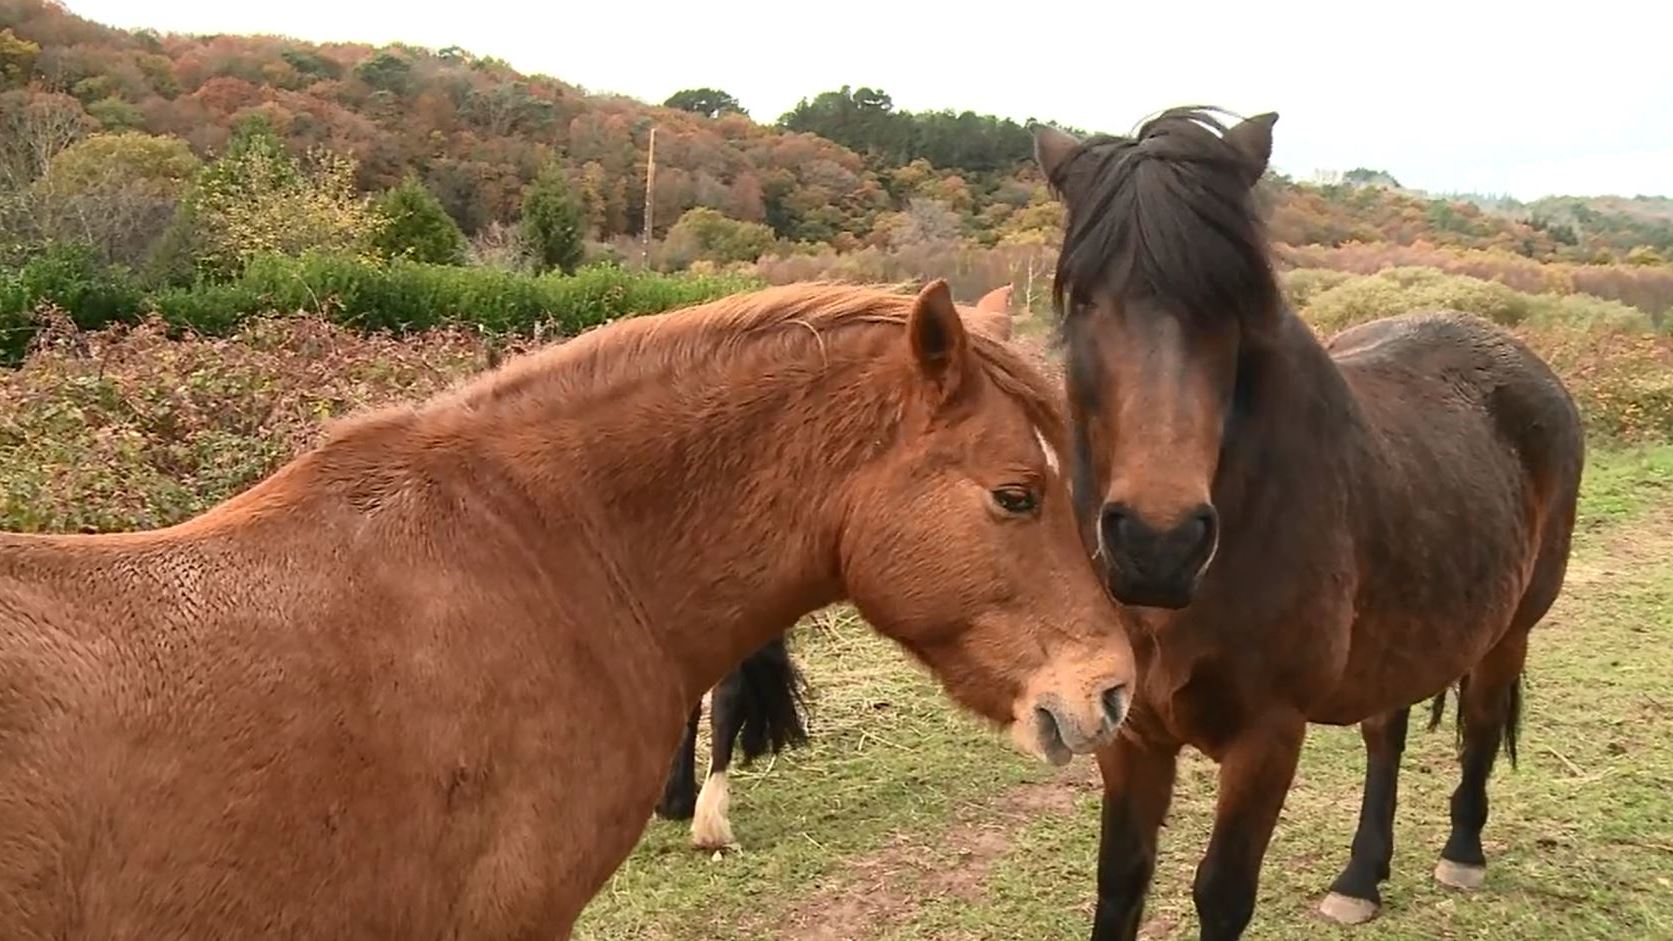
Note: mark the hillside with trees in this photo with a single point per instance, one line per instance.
(184, 158)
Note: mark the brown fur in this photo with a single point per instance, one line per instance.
(423, 681)
(1393, 508)
(992, 314)
(758, 704)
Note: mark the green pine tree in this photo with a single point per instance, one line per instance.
(552, 223)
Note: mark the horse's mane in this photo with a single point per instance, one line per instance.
(1165, 217)
(774, 325)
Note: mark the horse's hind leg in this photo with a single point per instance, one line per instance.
(711, 828)
(1354, 897)
(1489, 706)
(679, 792)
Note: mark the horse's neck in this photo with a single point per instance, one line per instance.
(715, 515)
(1301, 430)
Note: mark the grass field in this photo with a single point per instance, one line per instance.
(903, 820)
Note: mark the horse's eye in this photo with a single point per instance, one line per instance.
(1018, 501)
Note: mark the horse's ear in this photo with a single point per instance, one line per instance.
(998, 299)
(994, 324)
(991, 316)
(1052, 150)
(940, 348)
(1253, 139)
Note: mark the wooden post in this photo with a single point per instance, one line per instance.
(650, 198)
(1028, 291)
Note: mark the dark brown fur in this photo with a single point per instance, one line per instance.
(1393, 508)
(423, 681)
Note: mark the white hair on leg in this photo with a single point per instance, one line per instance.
(710, 827)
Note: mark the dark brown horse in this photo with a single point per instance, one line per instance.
(1307, 532)
(423, 682)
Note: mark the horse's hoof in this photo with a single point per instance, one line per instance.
(1347, 910)
(1460, 875)
(714, 842)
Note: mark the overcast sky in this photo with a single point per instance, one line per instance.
(1463, 95)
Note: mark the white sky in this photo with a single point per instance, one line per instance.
(1489, 97)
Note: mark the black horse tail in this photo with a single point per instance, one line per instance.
(771, 699)
(1513, 714)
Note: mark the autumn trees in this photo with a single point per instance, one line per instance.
(259, 199)
(845, 170)
(708, 102)
(113, 192)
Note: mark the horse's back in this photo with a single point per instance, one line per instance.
(1465, 492)
(1534, 420)
(1458, 373)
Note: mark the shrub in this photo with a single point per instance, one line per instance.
(1304, 284)
(401, 296)
(551, 226)
(416, 227)
(1622, 380)
(1355, 299)
(1400, 290)
(127, 429)
(704, 234)
(69, 276)
(258, 200)
(408, 296)
(1648, 287)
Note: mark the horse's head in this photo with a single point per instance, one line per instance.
(1164, 286)
(960, 542)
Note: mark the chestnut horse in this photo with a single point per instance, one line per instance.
(423, 681)
(1306, 532)
(761, 703)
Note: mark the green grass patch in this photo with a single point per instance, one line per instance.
(1620, 484)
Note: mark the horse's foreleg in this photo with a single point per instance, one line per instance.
(1255, 775)
(1354, 897)
(1489, 711)
(679, 792)
(1138, 785)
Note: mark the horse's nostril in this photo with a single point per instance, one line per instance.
(1205, 522)
(1049, 735)
(1047, 724)
(1115, 525)
(1115, 704)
